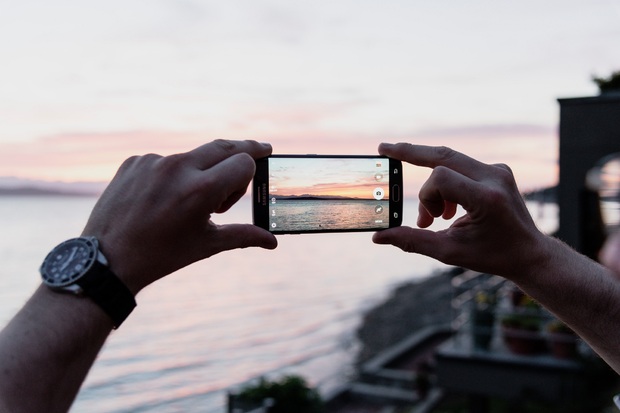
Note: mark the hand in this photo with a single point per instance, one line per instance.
(155, 216)
(496, 234)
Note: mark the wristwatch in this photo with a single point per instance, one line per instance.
(78, 266)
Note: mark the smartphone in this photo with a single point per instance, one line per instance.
(297, 194)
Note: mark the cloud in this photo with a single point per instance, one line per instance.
(489, 131)
(530, 149)
(90, 156)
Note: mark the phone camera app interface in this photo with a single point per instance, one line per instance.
(328, 193)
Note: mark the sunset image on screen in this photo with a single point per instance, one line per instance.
(317, 194)
(324, 177)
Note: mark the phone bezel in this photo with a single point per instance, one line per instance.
(260, 192)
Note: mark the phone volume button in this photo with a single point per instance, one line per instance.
(395, 193)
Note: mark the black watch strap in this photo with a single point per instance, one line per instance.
(109, 292)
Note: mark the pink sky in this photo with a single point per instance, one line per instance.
(79, 95)
(96, 156)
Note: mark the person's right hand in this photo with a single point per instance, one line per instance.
(496, 235)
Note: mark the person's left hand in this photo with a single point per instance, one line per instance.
(155, 216)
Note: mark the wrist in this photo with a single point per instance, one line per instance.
(119, 261)
(537, 259)
(78, 266)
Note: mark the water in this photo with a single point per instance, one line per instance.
(220, 322)
(328, 214)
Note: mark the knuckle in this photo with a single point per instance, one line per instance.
(139, 161)
(495, 196)
(225, 145)
(164, 167)
(441, 172)
(172, 162)
(444, 153)
(504, 167)
(504, 175)
(129, 162)
(440, 176)
(404, 147)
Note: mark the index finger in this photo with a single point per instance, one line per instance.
(224, 183)
(433, 156)
(211, 154)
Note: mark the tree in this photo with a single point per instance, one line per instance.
(610, 84)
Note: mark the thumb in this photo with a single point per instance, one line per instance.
(234, 236)
(419, 241)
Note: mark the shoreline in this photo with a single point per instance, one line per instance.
(411, 306)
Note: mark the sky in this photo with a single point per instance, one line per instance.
(355, 178)
(85, 84)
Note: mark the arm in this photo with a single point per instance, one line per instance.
(497, 235)
(153, 219)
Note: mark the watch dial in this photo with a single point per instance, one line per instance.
(68, 261)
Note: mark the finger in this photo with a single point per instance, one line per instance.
(210, 154)
(232, 200)
(444, 190)
(434, 156)
(449, 210)
(425, 219)
(503, 166)
(222, 184)
(419, 241)
(233, 236)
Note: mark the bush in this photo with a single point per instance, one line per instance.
(291, 394)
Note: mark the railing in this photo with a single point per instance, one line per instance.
(492, 314)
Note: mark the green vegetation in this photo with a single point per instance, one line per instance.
(609, 84)
(290, 394)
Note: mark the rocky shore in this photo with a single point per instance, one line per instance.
(410, 307)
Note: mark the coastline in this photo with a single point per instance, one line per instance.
(410, 307)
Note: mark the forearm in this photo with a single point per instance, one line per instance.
(579, 291)
(47, 350)
(153, 218)
(497, 235)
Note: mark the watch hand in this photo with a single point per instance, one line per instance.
(68, 261)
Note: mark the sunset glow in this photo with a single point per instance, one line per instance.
(327, 177)
(85, 86)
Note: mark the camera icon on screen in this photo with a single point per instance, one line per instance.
(378, 193)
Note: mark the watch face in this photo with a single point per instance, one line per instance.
(68, 262)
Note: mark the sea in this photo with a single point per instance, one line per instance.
(221, 323)
(304, 215)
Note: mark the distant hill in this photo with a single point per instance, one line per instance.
(11, 186)
(308, 197)
(31, 191)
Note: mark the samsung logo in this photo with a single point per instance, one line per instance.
(263, 195)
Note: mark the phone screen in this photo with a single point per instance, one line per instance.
(301, 194)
